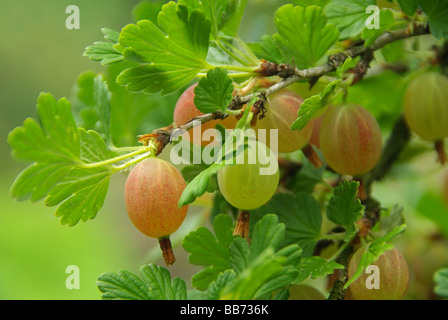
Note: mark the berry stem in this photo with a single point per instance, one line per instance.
(242, 225)
(167, 250)
(312, 156)
(441, 152)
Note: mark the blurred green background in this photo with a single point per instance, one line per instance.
(39, 54)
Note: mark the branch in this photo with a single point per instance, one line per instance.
(333, 62)
(290, 75)
(338, 292)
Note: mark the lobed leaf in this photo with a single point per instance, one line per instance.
(437, 11)
(311, 106)
(170, 54)
(303, 34)
(60, 154)
(408, 6)
(211, 251)
(107, 52)
(316, 267)
(344, 207)
(348, 15)
(441, 281)
(214, 92)
(155, 284)
(301, 216)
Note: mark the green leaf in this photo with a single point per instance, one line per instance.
(106, 51)
(267, 232)
(231, 19)
(392, 218)
(147, 10)
(316, 267)
(170, 56)
(135, 113)
(267, 49)
(123, 285)
(441, 281)
(307, 177)
(211, 251)
(204, 181)
(348, 64)
(312, 105)
(261, 263)
(66, 166)
(158, 279)
(386, 20)
(301, 215)
(264, 275)
(56, 140)
(408, 6)
(374, 251)
(239, 255)
(303, 34)
(82, 191)
(199, 185)
(189, 172)
(225, 15)
(92, 104)
(155, 284)
(348, 15)
(214, 92)
(344, 207)
(437, 11)
(214, 291)
(307, 3)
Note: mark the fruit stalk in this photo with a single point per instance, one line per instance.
(167, 251)
(242, 225)
(441, 153)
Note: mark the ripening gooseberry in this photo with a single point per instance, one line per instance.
(426, 106)
(391, 274)
(350, 139)
(152, 191)
(253, 178)
(282, 108)
(185, 110)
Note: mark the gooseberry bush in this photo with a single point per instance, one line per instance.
(182, 109)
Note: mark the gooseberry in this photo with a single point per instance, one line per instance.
(253, 178)
(152, 191)
(393, 277)
(426, 106)
(281, 112)
(350, 139)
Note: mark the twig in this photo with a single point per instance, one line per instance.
(338, 292)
